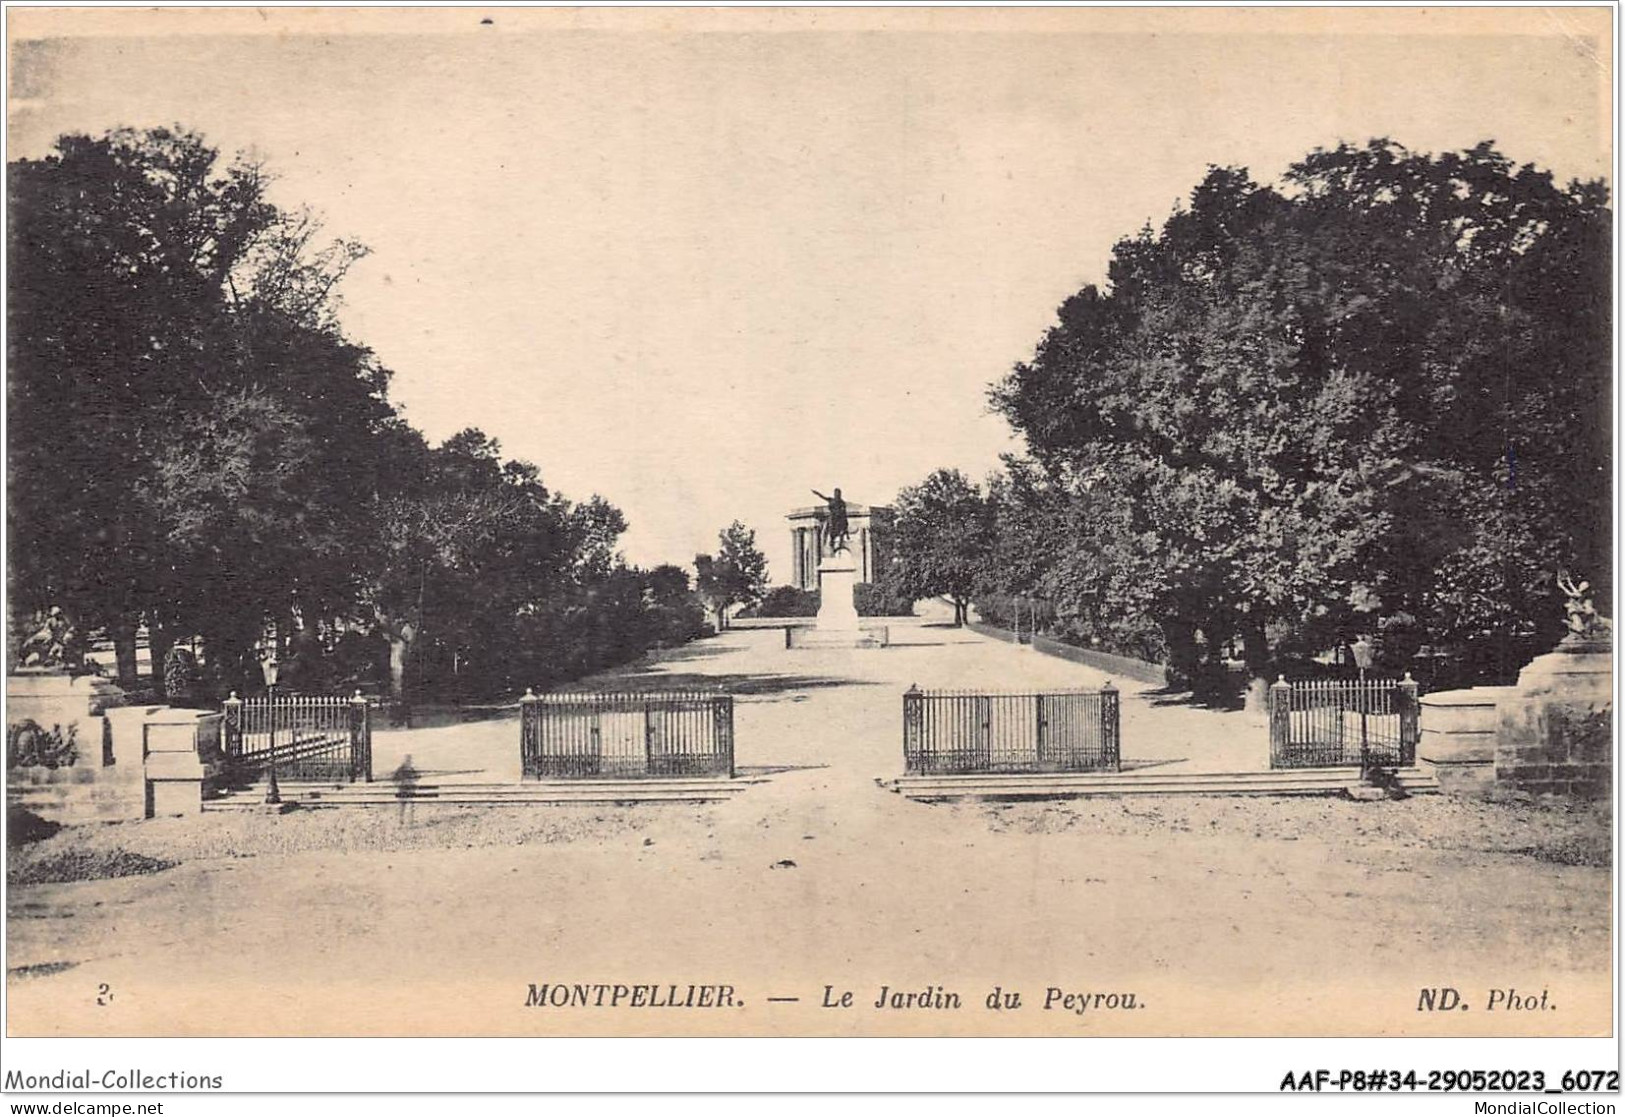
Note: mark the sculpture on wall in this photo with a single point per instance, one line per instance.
(1581, 616)
(54, 644)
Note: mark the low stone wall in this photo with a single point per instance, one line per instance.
(79, 794)
(1117, 666)
(1458, 730)
(866, 636)
(746, 623)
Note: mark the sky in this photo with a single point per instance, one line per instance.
(701, 263)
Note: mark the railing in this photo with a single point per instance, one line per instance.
(626, 735)
(304, 737)
(949, 733)
(1340, 723)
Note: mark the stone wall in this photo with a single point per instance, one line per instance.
(51, 699)
(1551, 734)
(1555, 733)
(133, 762)
(1558, 750)
(79, 794)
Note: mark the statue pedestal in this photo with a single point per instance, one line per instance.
(1555, 730)
(837, 575)
(837, 625)
(90, 789)
(53, 698)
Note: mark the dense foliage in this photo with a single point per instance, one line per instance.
(942, 541)
(870, 600)
(196, 448)
(785, 601)
(735, 575)
(1372, 400)
(881, 599)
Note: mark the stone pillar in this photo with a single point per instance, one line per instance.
(178, 742)
(1458, 737)
(1554, 733)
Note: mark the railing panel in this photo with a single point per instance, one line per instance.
(307, 737)
(1332, 723)
(959, 733)
(625, 735)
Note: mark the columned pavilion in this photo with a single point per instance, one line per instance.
(868, 525)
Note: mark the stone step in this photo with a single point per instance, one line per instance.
(1305, 781)
(496, 794)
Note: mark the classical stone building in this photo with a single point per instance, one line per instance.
(869, 526)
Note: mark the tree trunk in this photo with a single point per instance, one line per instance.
(160, 638)
(399, 646)
(123, 632)
(1255, 651)
(1183, 659)
(1255, 648)
(960, 612)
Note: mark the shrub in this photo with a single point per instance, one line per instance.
(786, 601)
(182, 678)
(876, 600)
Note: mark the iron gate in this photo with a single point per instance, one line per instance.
(1342, 723)
(969, 732)
(308, 737)
(626, 735)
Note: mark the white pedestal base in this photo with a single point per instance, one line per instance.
(837, 625)
(837, 575)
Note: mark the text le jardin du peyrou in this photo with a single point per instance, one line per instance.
(931, 998)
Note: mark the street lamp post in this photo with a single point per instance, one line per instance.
(269, 668)
(1364, 651)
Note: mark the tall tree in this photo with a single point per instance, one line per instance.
(942, 539)
(1344, 406)
(736, 575)
(470, 548)
(187, 427)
